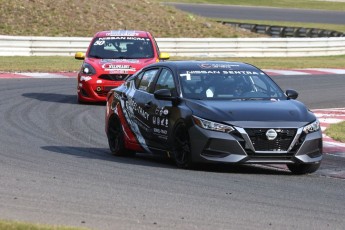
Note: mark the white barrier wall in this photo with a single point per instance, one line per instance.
(189, 47)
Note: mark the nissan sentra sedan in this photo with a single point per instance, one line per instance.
(212, 112)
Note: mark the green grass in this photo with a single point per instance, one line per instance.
(13, 225)
(69, 64)
(39, 64)
(336, 131)
(81, 18)
(304, 4)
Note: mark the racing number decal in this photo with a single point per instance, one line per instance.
(99, 43)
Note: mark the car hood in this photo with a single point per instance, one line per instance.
(287, 113)
(119, 66)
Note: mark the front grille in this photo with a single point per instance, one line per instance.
(281, 143)
(114, 77)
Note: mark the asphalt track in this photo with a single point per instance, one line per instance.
(55, 168)
(263, 13)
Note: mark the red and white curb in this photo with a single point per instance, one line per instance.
(309, 71)
(326, 118)
(271, 72)
(38, 75)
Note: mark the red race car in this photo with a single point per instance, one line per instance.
(111, 57)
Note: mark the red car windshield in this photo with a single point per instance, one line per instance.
(121, 47)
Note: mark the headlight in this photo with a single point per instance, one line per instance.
(312, 127)
(211, 125)
(88, 69)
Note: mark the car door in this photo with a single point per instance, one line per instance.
(138, 102)
(160, 111)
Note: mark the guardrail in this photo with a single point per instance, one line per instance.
(285, 31)
(188, 47)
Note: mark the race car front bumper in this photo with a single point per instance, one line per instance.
(239, 147)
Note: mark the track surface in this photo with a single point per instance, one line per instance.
(55, 168)
(263, 13)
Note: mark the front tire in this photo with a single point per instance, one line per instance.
(182, 150)
(300, 169)
(79, 100)
(116, 139)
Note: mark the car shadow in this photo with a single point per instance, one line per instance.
(143, 159)
(57, 98)
(104, 154)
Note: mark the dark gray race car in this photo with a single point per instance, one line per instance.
(205, 111)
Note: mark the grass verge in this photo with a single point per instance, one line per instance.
(69, 64)
(13, 225)
(336, 131)
(303, 4)
(75, 18)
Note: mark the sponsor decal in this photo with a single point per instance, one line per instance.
(122, 33)
(124, 38)
(160, 131)
(99, 81)
(243, 72)
(118, 68)
(118, 72)
(133, 107)
(160, 121)
(232, 72)
(128, 116)
(217, 66)
(161, 111)
(120, 60)
(204, 72)
(85, 78)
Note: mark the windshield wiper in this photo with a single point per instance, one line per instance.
(256, 99)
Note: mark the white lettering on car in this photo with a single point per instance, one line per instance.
(84, 78)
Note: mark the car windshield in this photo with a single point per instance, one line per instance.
(227, 84)
(121, 48)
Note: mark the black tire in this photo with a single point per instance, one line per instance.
(78, 100)
(182, 150)
(300, 169)
(116, 139)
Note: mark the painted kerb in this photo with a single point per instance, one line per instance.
(189, 47)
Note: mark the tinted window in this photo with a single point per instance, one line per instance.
(147, 79)
(138, 79)
(121, 47)
(221, 83)
(165, 80)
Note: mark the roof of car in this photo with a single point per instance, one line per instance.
(134, 33)
(207, 65)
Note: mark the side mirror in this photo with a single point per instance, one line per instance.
(291, 94)
(79, 56)
(163, 94)
(164, 56)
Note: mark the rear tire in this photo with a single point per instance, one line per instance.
(116, 139)
(300, 169)
(182, 150)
